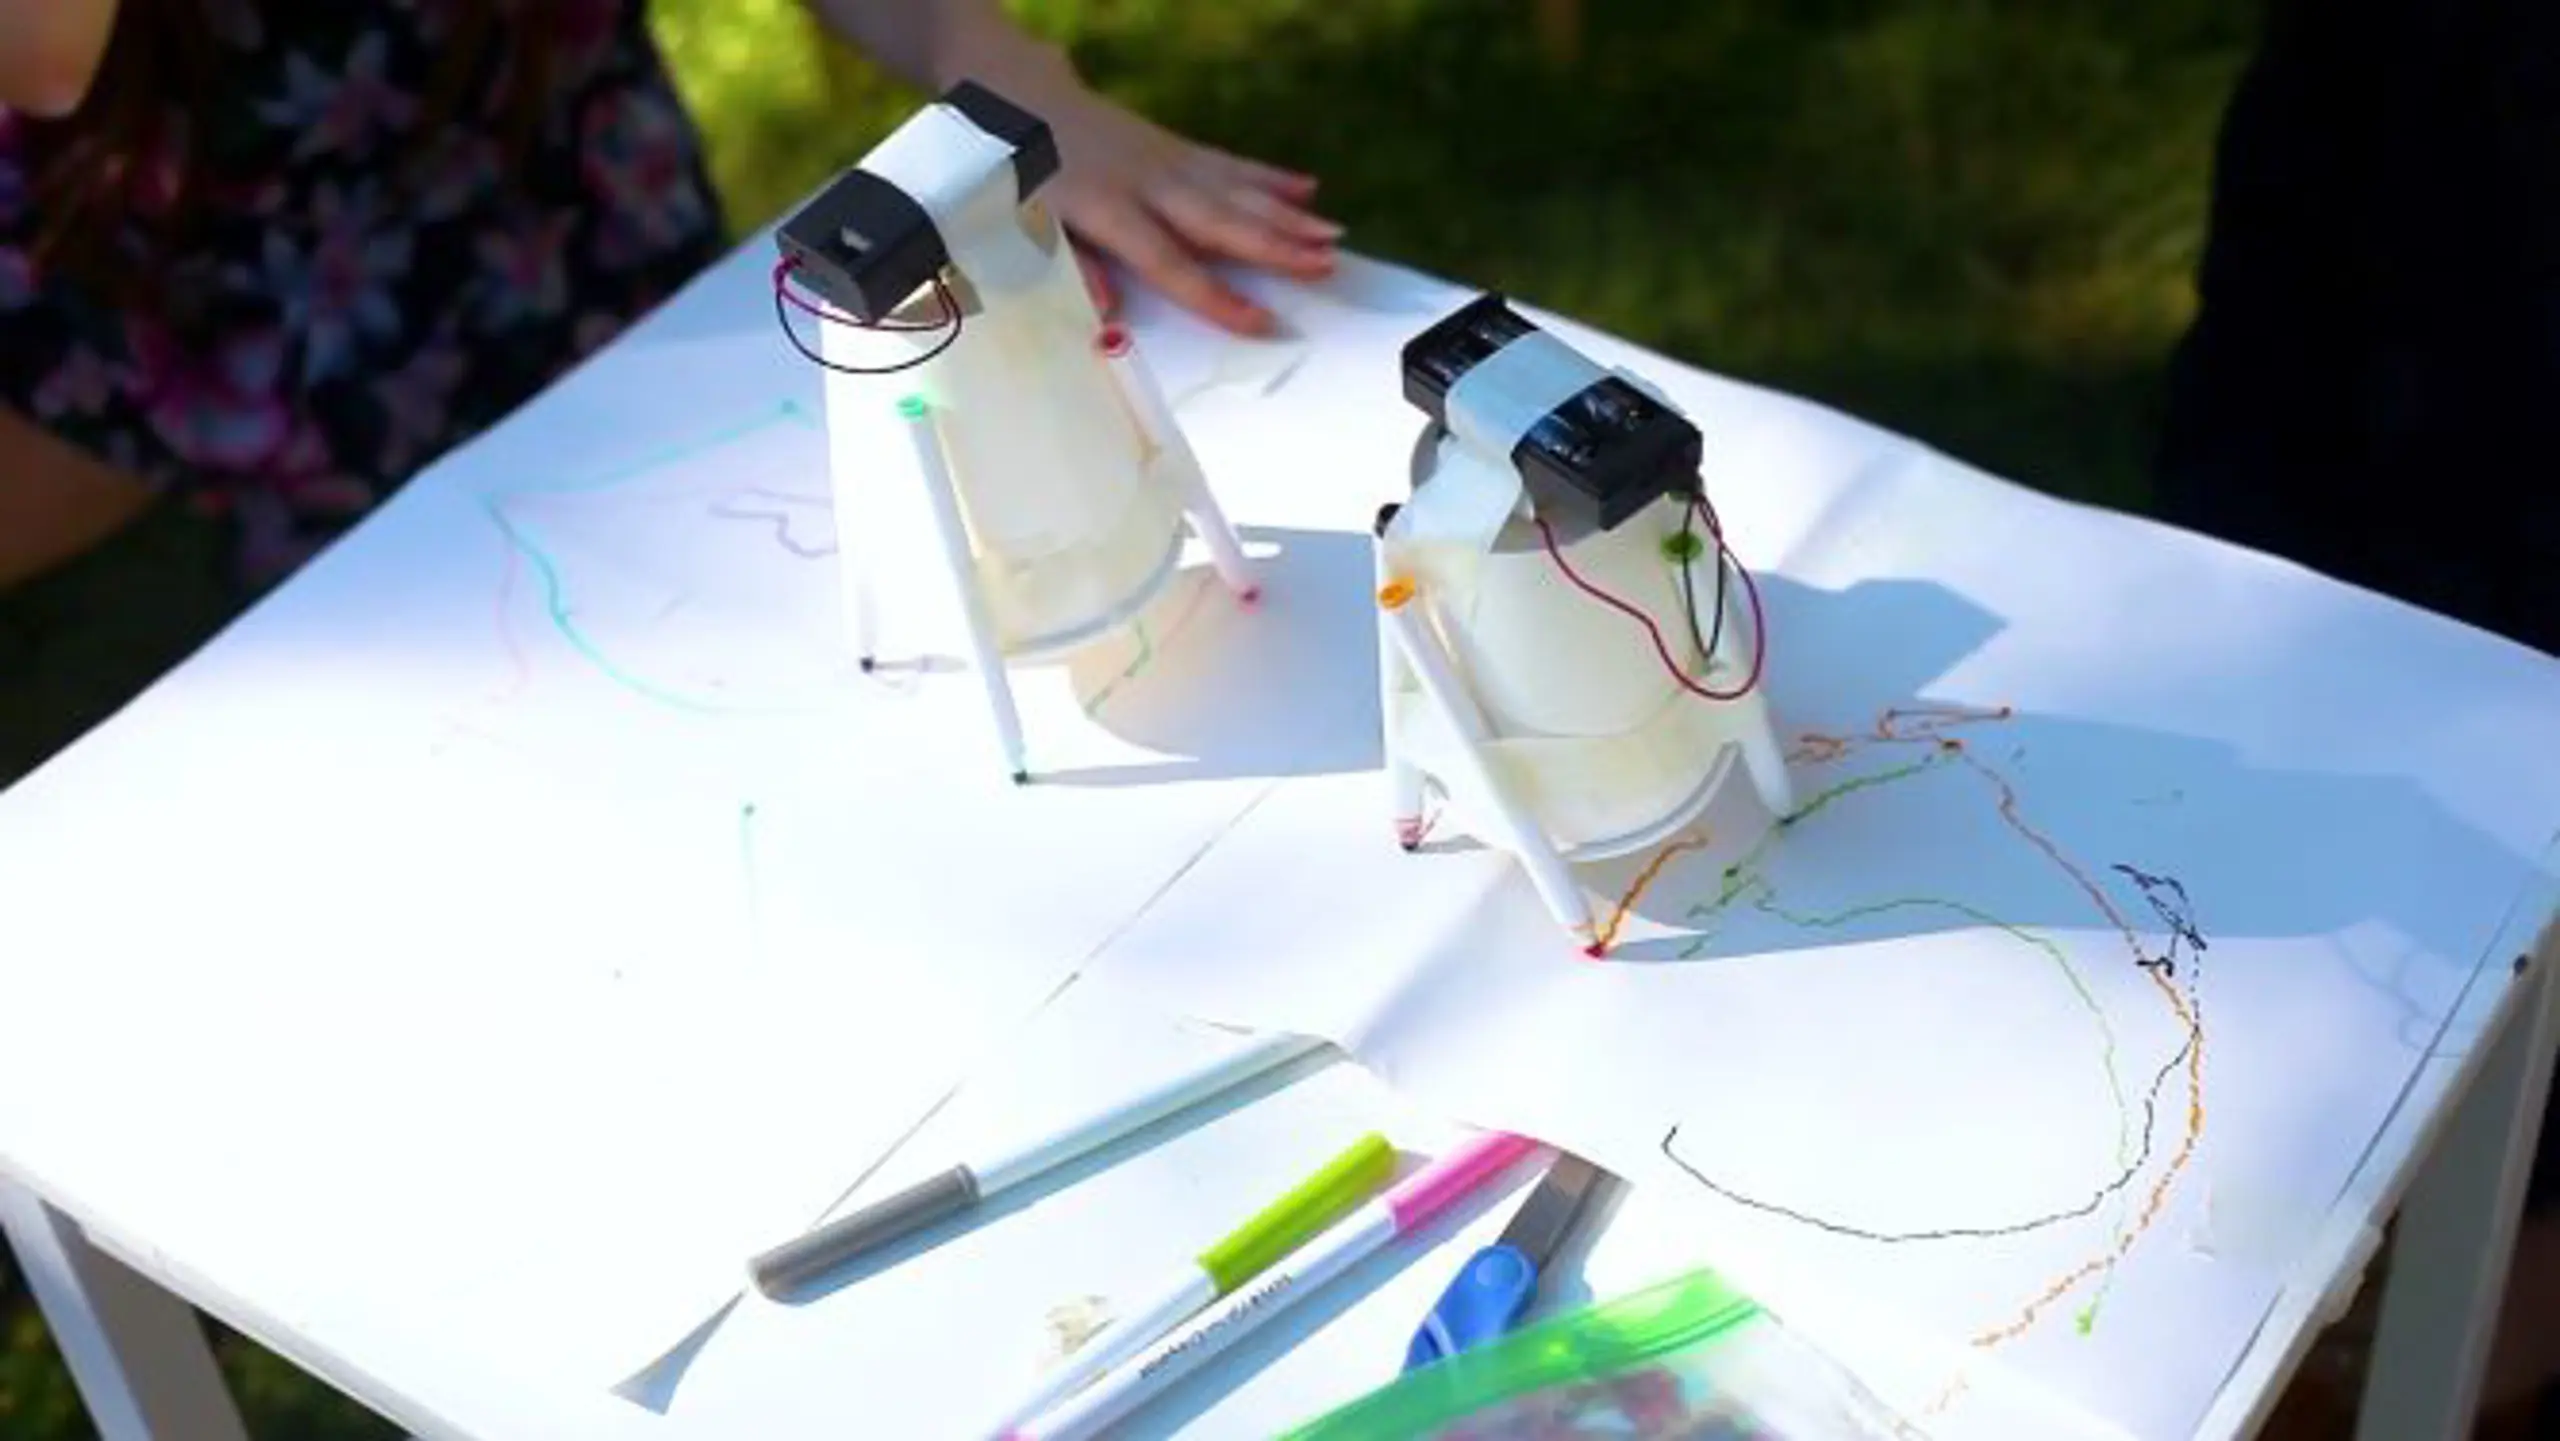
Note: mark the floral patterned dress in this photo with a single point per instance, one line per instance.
(360, 291)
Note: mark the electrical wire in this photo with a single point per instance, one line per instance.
(1689, 576)
(789, 266)
(1662, 647)
(784, 297)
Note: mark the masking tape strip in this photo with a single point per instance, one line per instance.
(964, 180)
(1490, 410)
(1494, 406)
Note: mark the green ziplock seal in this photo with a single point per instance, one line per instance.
(1589, 1344)
(1318, 1202)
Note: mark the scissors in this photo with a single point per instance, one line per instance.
(1494, 1288)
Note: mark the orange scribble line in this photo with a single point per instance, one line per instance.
(1948, 1397)
(1897, 725)
(2159, 1197)
(2044, 843)
(1608, 935)
(1818, 749)
(1931, 722)
(2194, 1130)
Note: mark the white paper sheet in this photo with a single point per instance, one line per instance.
(2131, 879)
(540, 854)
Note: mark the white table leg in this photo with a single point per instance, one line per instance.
(2457, 1232)
(137, 1353)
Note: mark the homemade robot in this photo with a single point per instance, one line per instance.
(1060, 485)
(1560, 656)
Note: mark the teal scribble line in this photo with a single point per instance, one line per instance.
(674, 454)
(555, 603)
(554, 589)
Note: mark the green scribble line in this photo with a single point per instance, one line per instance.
(1740, 873)
(1744, 878)
(1147, 650)
(1843, 789)
(2085, 1320)
(1129, 672)
(1767, 902)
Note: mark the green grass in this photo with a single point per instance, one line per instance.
(1974, 223)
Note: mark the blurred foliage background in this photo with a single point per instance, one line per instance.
(1975, 223)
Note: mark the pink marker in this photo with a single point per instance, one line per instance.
(1407, 1208)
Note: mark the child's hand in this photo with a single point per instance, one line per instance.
(1167, 208)
(1164, 207)
(50, 51)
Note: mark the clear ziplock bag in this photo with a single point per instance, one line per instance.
(1689, 1360)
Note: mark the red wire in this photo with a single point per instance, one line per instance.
(1662, 648)
(782, 270)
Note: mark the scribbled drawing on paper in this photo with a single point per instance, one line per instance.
(1145, 636)
(1922, 741)
(527, 519)
(788, 514)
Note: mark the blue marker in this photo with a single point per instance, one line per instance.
(1493, 1291)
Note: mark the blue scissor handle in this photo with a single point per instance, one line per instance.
(1491, 1293)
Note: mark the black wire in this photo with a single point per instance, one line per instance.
(1706, 643)
(782, 282)
(941, 292)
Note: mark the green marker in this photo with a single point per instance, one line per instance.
(1282, 1227)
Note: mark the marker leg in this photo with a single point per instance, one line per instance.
(862, 604)
(987, 653)
(1209, 522)
(1766, 762)
(1146, 402)
(1404, 779)
(846, 410)
(1524, 837)
(1752, 730)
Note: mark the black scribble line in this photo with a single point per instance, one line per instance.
(2098, 1198)
(2168, 901)
(781, 519)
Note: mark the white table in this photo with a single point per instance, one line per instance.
(490, 1066)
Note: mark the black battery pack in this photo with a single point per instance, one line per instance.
(1610, 446)
(865, 246)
